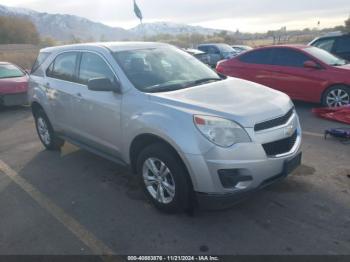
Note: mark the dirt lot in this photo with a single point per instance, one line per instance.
(73, 202)
(20, 54)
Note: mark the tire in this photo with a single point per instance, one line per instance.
(173, 184)
(335, 96)
(45, 132)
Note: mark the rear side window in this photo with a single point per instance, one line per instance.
(342, 45)
(93, 66)
(63, 67)
(325, 44)
(262, 57)
(288, 57)
(39, 61)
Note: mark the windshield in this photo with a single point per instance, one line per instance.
(325, 57)
(10, 71)
(163, 69)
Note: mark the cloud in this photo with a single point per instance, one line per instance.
(120, 12)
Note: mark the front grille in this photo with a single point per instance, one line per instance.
(274, 122)
(281, 146)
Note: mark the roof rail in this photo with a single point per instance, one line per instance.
(335, 33)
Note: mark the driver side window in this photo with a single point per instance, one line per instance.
(93, 66)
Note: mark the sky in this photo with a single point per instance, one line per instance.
(242, 15)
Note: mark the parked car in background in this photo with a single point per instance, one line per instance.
(187, 133)
(241, 48)
(303, 72)
(13, 85)
(200, 55)
(217, 52)
(335, 43)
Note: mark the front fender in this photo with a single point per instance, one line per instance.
(180, 131)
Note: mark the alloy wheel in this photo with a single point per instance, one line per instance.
(337, 97)
(43, 131)
(158, 180)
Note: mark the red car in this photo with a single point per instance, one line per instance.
(13, 85)
(303, 72)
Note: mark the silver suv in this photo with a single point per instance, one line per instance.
(190, 135)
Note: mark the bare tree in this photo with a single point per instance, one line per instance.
(347, 25)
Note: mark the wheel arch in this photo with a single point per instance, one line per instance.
(331, 86)
(35, 106)
(143, 140)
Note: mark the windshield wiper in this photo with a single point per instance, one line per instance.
(171, 86)
(205, 80)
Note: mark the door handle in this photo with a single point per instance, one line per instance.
(79, 95)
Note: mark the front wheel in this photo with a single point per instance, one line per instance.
(46, 133)
(336, 96)
(164, 178)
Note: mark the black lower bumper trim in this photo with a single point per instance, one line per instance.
(223, 201)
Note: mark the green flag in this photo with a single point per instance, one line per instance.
(137, 11)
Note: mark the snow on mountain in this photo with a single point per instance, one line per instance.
(150, 29)
(65, 27)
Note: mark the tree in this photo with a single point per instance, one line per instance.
(15, 30)
(347, 25)
(47, 41)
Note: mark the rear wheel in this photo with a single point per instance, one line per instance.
(336, 96)
(45, 131)
(164, 178)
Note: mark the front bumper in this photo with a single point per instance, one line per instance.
(221, 201)
(13, 99)
(249, 162)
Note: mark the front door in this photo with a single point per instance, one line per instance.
(289, 75)
(98, 112)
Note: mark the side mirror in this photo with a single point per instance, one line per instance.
(103, 84)
(311, 64)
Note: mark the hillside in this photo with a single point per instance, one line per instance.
(64, 27)
(67, 27)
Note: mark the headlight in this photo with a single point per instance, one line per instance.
(221, 132)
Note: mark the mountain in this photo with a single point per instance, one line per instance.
(67, 27)
(151, 29)
(64, 27)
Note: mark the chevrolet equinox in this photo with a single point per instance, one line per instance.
(190, 135)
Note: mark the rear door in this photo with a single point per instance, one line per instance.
(254, 66)
(99, 112)
(61, 87)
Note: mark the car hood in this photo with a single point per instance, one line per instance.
(243, 101)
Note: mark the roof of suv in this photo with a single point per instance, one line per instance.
(113, 46)
(330, 35)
